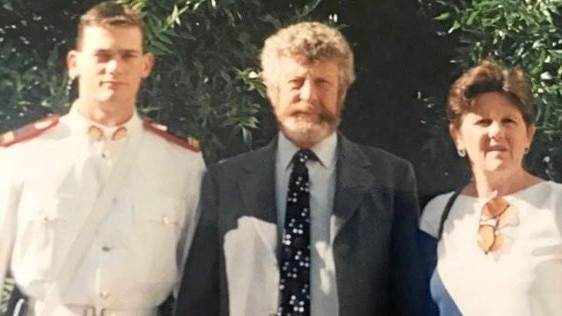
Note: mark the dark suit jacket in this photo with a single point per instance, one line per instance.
(232, 267)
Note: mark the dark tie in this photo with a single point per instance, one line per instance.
(294, 283)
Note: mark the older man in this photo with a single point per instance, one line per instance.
(311, 224)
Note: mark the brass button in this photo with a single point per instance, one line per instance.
(166, 219)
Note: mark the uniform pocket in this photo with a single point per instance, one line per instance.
(158, 228)
(159, 215)
(43, 222)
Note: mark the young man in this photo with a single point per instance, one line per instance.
(96, 207)
(311, 224)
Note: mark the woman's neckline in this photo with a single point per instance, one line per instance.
(530, 187)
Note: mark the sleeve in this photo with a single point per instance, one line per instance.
(9, 199)
(427, 240)
(199, 289)
(408, 284)
(193, 212)
(431, 215)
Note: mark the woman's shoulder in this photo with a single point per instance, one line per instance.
(552, 191)
(542, 191)
(431, 214)
(556, 187)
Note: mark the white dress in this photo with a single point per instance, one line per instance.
(522, 279)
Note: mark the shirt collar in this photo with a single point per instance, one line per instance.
(325, 150)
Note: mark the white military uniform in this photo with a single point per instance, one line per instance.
(48, 185)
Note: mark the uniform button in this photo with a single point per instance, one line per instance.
(106, 248)
(104, 295)
(166, 219)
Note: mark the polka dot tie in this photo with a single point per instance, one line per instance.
(294, 284)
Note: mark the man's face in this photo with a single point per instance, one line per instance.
(307, 100)
(110, 65)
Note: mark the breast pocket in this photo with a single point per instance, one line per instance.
(158, 228)
(44, 226)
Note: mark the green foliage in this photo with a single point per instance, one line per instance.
(8, 286)
(523, 33)
(198, 86)
(32, 77)
(25, 85)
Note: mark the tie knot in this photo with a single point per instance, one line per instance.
(304, 155)
(300, 158)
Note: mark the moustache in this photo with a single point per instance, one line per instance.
(323, 115)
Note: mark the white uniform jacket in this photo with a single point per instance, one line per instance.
(48, 185)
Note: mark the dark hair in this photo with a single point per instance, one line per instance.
(108, 13)
(489, 76)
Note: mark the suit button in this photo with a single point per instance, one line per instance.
(104, 295)
(106, 248)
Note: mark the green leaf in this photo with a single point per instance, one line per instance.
(443, 16)
(456, 25)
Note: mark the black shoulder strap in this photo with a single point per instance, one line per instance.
(447, 210)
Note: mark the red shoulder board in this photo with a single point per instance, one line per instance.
(28, 131)
(161, 130)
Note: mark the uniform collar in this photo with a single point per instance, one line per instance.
(80, 124)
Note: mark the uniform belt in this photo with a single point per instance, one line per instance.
(36, 307)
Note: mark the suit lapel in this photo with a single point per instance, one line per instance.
(352, 182)
(257, 188)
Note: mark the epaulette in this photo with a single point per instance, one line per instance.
(161, 130)
(28, 131)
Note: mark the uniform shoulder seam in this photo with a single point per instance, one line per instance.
(190, 143)
(28, 131)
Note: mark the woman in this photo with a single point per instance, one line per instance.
(499, 238)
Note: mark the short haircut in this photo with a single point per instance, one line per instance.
(489, 76)
(312, 42)
(108, 13)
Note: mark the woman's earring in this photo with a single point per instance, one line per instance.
(526, 150)
(461, 151)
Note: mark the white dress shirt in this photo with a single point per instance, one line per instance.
(322, 175)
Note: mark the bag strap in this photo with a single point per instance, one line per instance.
(446, 211)
(64, 274)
